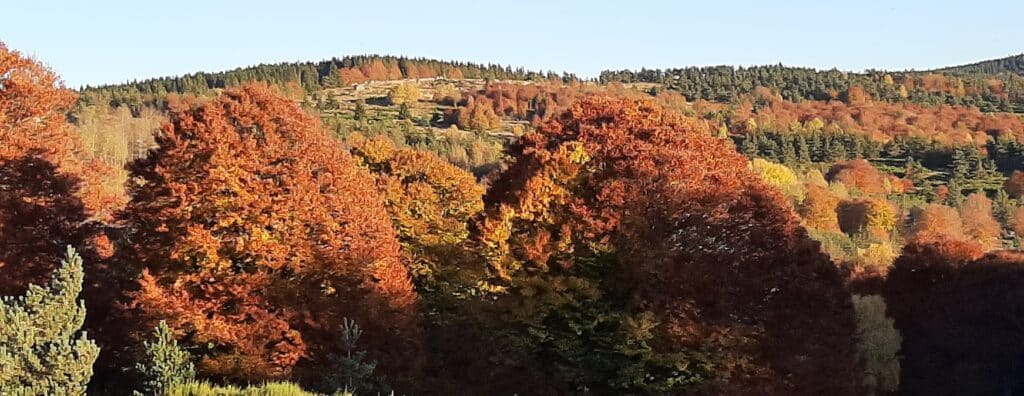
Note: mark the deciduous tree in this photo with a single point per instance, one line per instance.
(617, 203)
(258, 234)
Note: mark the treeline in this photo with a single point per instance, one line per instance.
(312, 76)
(1010, 64)
(726, 83)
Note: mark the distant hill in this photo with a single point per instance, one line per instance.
(1010, 64)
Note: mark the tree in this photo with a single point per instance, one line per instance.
(780, 176)
(956, 310)
(429, 200)
(350, 372)
(879, 344)
(859, 174)
(404, 93)
(1014, 185)
(937, 222)
(165, 364)
(856, 96)
(620, 229)
(258, 234)
(478, 115)
(978, 222)
(49, 190)
(42, 351)
(818, 210)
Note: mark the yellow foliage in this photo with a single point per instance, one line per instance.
(881, 215)
(877, 256)
(404, 93)
(773, 173)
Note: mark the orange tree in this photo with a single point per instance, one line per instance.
(258, 235)
(629, 250)
(49, 191)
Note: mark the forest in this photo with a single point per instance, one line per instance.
(381, 225)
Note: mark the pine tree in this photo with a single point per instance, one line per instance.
(166, 363)
(41, 349)
(351, 370)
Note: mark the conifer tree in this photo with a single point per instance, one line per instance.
(166, 363)
(42, 351)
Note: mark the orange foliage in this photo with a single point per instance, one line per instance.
(818, 209)
(49, 190)
(861, 175)
(882, 121)
(1018, 221)
(259, 234)
(856, 96)
(978, 222)
(687, 221)
(938, 222)
(478, 115)
(375, 70)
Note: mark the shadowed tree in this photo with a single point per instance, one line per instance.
(959, 315)
(629, 237)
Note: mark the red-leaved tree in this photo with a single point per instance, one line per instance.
(620, 202)
(258, 234)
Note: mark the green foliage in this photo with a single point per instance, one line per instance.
(42, 351)
(166, 363)
(725, 83)
(879, 343)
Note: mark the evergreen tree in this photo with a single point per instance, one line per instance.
(42, 351)
(166, 364)
(360, 111)
(351, 372)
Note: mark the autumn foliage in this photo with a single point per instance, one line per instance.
(430, 201)
(818, 209)
(936, 222)
(861, 175)
(49, 190)
(644, 209)
(258, 234)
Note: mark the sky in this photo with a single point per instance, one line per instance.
(97, 42)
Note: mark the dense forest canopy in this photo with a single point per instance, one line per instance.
(990, 91)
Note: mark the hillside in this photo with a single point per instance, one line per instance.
(1010, 64)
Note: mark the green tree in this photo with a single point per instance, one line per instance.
(42, 351)
(166, 364)
(878, 344)
(350, 372)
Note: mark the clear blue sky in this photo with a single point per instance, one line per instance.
(92, 42)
